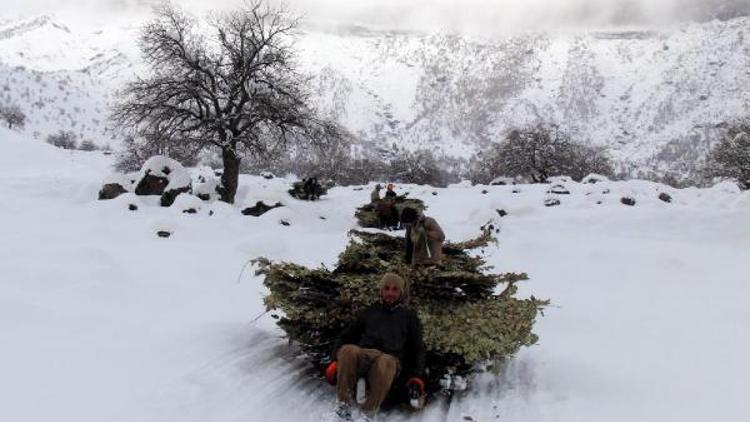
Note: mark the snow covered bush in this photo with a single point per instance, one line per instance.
(88, 145)
(13, 116)
(66, 139)
(361, 171)
(207, 185)
(135, 151)
(538, 153)
(731, 157)
(420, 167)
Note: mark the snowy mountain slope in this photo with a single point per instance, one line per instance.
(633, 91)
(59, 100)
(63, 79)
(102, 320)
(655, 97)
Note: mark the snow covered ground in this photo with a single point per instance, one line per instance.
(101, 320)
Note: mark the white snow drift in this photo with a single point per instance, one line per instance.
(101, 320)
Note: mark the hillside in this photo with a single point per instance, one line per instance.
(657, 98)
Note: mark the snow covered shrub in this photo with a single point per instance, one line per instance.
(538, 153)
(135, 151)
(731, 157)
(469, 317)
(362, 171)
(346, 172)
(421, 167)
(207, 185)
(65, 139)
(594, 179)
(88, 145)
(12, 116)
(309, 189)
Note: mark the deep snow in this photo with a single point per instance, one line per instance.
(101, 320)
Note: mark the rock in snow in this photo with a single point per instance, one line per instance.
(260, 208)
(163, 176)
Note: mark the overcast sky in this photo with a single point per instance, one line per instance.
(481, 16)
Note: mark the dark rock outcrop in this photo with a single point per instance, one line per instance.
(260, 208)
(168, 197)
(111, 191)
(559, 190)
(665, 197)
(151, 185)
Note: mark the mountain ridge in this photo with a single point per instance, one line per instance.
(646, 94)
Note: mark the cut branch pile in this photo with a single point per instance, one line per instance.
(470, 318)
(367, 215)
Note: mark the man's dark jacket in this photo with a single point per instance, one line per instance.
(394, 330)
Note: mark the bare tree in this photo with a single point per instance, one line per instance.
(237, 90)
(584, 160)
(326, 159)
(537, 153)
(13, 116)
(731, 157)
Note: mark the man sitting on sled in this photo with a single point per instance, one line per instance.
(383, 342)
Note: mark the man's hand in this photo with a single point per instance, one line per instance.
(331, 372)
(415, 387)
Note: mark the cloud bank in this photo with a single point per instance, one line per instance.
(477, 16)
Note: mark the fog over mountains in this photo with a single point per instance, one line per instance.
(656, 96)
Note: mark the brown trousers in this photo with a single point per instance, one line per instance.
(380, 369)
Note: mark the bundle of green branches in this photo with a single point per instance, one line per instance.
(308, 190)
(367, 215)
(470, 318)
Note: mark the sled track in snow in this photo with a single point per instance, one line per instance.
(259, 378)
(262, 379)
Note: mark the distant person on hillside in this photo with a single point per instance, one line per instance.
(375, 195)
(389, 192)
(387, 214)
(424, 238)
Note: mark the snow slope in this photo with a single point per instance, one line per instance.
(100, 319)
